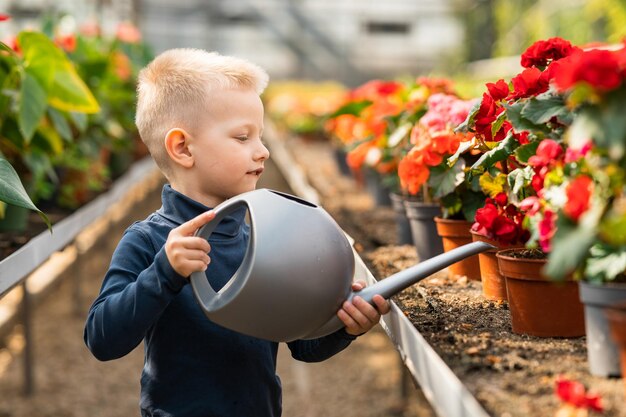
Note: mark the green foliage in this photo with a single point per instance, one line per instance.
(12, 191)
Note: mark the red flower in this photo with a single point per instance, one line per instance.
(522, 137)
(485, 216)
(547, 152)
(578, 194)
(4, 17)
(505, 230)
(529, 83)
(68, 42)
(486, 115)
(598, 68)
(542, 52)
(574, 393)
(498, 90)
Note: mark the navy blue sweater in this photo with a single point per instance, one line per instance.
(192, 367)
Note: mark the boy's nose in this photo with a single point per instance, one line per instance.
(263, 153)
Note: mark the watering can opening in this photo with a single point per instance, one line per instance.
(294, 198)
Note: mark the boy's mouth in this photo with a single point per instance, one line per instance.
(256, 172)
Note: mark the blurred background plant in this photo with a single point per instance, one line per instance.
(67, 110)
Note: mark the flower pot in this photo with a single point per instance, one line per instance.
(403, 227)
(376, 189)
(540, 307)
(423, 228)
(494, 285)
(617, 325)
(602, 351)
(340, 159)
(455, 233)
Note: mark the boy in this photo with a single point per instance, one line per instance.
(201, 117)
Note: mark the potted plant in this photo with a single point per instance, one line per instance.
(43, 96)
(584, 213)
(447, 201)
(526, 121)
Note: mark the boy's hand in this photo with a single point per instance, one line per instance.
(188, 253)
(359, 316)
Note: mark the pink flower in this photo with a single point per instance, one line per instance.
(127, 32)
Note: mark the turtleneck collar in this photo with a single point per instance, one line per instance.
(178, 208)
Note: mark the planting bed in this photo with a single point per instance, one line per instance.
(510, 375)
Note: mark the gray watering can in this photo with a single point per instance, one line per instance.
(297, 270)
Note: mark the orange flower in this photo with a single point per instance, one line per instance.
(413, 172)
(121, 65)
(356, 157)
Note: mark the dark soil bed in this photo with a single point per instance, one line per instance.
(510, 375)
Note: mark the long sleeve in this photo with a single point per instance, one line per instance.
(317, 350)
(137, 288)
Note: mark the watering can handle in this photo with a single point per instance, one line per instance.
(205, 294)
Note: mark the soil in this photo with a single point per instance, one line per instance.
(510, 375)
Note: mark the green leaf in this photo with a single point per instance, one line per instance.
(32, 106)
(56, 74)
(472, 201)
(463, 147)
(60, 124)
(570, 247)
(605, 264)
(524, 152)
(444, 180)
(79, 120)
(543, 108)
(502, 151)
(69, 93)
(12, 191)
(497, 124)
(354, 108)
(520, 123)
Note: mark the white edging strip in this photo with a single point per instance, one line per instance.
(443, 389)
(19, 264)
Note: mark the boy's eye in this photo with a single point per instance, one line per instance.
(242, 138)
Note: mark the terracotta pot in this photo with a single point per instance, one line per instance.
(494, 285)
(455, 233)
(602, 351)
(617, 324)
(539, 306)
(422, 219)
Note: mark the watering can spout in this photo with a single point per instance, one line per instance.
(399, 281)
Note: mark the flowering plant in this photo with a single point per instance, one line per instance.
(426, 169)
(375, 122)
(42, 97)
(581, 210)
(510, 124)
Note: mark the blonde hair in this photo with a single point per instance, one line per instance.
(174, 91)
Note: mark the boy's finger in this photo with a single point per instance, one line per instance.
(197, 222)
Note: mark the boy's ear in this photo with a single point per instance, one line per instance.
(177, 147)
